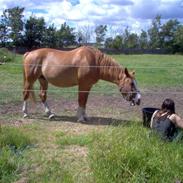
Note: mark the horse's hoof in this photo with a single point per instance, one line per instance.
(25, 115)
(51, 116)
(82, 119)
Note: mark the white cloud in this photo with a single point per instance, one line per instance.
(118, 2)
(136, 14)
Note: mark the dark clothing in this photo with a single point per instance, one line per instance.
(164, 127)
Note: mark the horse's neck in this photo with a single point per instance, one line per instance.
(110, 71)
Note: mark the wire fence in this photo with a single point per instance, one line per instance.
(94, 66)
(103, 102)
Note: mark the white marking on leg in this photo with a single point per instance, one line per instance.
(81, 114)
(46, 107)
(48, 111)
(24, 109)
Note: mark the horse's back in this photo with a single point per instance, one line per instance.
(62, 68)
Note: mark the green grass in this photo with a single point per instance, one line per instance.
(80, 140)
(130, 154)
(6, 56)
(126, 153)
(13, 137)
(117, 154)
(13, 143)
(155, 70)
(50, 171)
(9, 164)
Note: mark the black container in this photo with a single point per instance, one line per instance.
(147, 113)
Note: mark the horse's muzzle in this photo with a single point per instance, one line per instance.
(136, 100)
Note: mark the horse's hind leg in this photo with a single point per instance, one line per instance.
(43, 96)
(28, 85)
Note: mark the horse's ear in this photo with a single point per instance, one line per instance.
(127, 73)
(132, 73)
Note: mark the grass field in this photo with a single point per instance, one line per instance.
(152, 71)
(37, 150)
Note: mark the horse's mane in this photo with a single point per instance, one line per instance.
(104, 59)
(109, 68)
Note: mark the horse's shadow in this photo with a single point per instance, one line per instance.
(90, 121)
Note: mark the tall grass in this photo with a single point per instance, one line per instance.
(130, 154)
(13, 142)
(9, 164)
(6, 56)
(13, 137)
(51, 171)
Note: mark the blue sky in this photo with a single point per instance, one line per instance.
(117, 14)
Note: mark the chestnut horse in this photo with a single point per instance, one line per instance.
(83, 66)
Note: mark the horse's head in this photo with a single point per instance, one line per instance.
(128, 88)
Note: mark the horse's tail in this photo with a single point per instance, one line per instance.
(25, 55)
(31, 95)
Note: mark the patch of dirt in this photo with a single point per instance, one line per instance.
(102, 110)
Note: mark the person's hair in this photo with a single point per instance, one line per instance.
(168, 106)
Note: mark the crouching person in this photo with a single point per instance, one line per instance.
(166, 123)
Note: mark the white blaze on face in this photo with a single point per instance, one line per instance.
(137, 96)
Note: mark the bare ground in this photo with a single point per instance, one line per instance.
(102, 110)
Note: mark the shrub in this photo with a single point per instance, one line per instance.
(5, 56)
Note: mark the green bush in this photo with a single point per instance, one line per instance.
(129, 154)
(6, 56)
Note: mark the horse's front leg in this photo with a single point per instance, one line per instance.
(82, 100)
(43, 96)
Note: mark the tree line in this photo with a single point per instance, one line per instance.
(33, 32)
(159, 36)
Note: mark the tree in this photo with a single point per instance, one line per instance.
(13, 21)
(3, 32)
(130, 39)
(168, 33)
(118, 42)
(100, 32)
(155, 33)
(50, 37)
(143, 40)
(84, 34)
(126, 37)
(34, 31)
(65, 36)
(178, 39)
(133, 41)
(109, 42)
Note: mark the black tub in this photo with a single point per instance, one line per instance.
(147, 113)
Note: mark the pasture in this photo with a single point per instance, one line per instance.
(112, 146)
